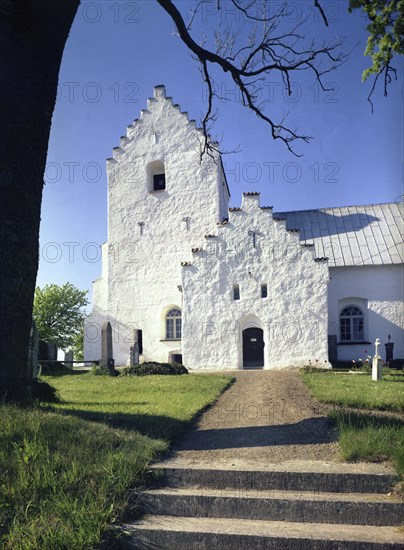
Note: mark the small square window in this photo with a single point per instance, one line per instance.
(159, 182)
(264, 291)
(236, 292)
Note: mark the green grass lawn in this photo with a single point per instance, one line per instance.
(156, 406)
(364, 435)
(66, 468)
(358, 390)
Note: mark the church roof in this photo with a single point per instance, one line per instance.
(352, 235)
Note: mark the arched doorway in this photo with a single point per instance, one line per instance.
(253, 348)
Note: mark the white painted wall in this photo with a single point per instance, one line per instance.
(144, 270)
(379, 291)
(141, 273)
(93, 323)
(293, 316)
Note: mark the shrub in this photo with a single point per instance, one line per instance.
(396, 364)
(96, 370)
(152, 367)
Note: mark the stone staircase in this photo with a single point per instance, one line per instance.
(323, 506)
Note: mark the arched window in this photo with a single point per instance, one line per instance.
(173, 324)
(351, 324)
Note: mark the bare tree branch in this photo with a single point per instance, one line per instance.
(273, 52)
(320, 9)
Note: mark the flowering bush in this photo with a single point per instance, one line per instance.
(366, 365)
(313, 365)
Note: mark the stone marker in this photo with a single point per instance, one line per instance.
(134, 354)
(376, 364)
(69, 358)
(136, 349)
(389, 350)
(107, 362)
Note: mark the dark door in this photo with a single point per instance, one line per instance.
(253, 348)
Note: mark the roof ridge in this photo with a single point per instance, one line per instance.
(335, 207)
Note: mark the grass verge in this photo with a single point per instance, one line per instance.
(371, 437)
(66, 470)
(157, 406)
(358, 390)
(364, 435)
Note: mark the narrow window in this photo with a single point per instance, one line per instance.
(173, 324)
(264, 291)
(159, 182)
(351, 324)
(236, 292)
(156, 176)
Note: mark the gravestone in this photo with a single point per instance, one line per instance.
(134, 354)
(107, 362)
(377, 364)
(136, 349)
(389, 350)
(48, 351)
(69, 358)
(175, 357)
(138, 337)
(34, 368)
(332, 348)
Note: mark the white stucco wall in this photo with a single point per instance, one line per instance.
(294, 314)
(379, 291)
(142, 275)
(93, 323)
(144, 262)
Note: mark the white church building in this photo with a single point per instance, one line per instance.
(234, 288)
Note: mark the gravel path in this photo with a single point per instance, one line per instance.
(265, 416)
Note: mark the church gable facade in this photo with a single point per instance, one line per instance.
(225, 288)
(161, 199)
(253, 296)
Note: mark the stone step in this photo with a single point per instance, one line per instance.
(331, 478)
(275, 505)
(185, 533)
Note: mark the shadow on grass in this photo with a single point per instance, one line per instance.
(153, 426)
(100, 404)
(365, 420)
(61, 370)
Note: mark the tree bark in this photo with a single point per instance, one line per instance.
(32, 38)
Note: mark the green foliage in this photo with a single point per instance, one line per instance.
(96, 370)
(364, 435)
(386, 30)
(78, 344)
(158, 406)
(371, 437)
(58, 313)
(396, 364)
(358, 390)
(152, 367)
(64, 479)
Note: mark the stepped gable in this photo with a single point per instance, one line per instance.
(263, 217)
(133, 130)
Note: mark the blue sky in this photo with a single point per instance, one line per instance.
(118, 50)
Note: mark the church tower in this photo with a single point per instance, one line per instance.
(161, 199)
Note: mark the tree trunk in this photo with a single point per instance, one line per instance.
(32, 38)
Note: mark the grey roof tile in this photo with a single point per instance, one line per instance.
(352, 235)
